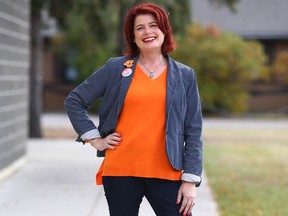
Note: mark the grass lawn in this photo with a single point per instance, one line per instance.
(247, 169)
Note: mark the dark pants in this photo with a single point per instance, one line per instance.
(124, 195)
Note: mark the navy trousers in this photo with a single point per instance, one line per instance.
(124, 195)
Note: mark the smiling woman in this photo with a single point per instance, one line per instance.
(157, 154)
(161, 21)
(149, 39)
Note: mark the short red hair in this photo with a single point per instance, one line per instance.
(162, 20)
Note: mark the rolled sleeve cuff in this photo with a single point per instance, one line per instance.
(188, 177)
(92, 134)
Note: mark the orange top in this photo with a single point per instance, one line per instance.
(141, 124)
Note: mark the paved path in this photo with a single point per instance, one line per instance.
(58, 179)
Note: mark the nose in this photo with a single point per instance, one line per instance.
(147, 31)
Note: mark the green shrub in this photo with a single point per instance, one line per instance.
(280, 66)
(224, 64)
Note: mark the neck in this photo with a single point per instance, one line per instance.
(151, 58)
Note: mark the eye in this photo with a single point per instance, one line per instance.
(139, 28)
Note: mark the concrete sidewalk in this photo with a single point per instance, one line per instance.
(59, 179)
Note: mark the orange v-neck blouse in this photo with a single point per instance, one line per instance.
(142, 152)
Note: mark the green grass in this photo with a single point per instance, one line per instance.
(248, 170)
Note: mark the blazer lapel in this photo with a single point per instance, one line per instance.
(125, 83)
(172, 78)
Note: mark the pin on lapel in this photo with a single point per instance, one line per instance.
(129, 63)
(127, 71)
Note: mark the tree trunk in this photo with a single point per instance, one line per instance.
(35, 109)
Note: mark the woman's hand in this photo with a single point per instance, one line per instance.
(109, 142)
(186, 193)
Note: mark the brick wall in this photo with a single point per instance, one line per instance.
(14, 79)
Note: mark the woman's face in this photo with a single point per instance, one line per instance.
(148, 36)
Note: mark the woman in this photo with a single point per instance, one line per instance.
(150, 121)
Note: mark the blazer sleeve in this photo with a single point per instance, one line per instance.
(79, 99)
(193, 130)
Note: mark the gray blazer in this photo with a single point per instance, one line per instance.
(183, 110)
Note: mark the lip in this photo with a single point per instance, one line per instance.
(149, 39)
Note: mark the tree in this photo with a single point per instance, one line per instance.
(59, 10)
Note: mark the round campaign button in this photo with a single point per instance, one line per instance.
(126, 72)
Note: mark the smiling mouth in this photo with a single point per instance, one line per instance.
(149, 39)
